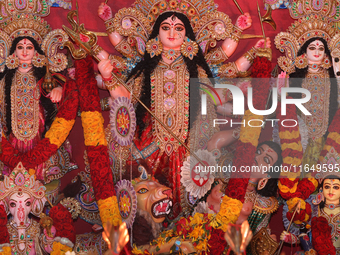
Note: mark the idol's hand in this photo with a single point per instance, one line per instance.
(56, 94)
(260, 43)
(105, 68)
(244, 21)
(104, 12)
(282, 81)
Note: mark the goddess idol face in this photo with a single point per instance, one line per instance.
(172, 33)
(315, 52)
(331, 191)
(25, 51)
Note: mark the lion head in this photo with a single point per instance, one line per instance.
(154, 198)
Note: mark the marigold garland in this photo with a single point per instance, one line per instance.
(248, 141)
(101, 175)
(321, 236)
(60, 249)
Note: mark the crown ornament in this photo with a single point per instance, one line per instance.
(315, 18)
(136, 22)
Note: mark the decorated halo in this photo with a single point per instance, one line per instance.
(197, 179)
(127, 201)
(123, 120)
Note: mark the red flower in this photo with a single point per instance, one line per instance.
(217, 242)
(322, 239)
(4, 237)
(62, 221)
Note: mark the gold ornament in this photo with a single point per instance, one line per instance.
(326, 63)
(301, 61)
(72, 205)
(38, 60)
(189, 48)
(12, 61)
(154, 47)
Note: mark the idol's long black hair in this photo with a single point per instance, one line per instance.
(38, 72)
(302, 73)
(148, 64)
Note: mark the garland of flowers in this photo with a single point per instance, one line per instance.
(4, 237)
(95, 142)
(321, 236)
(63, 222)
(333, 138)
(201, 228)
(54, 137)
(249, 137)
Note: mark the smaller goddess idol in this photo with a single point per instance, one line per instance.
(27, 101)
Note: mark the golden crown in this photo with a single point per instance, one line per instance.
(209, 25)
(26, 25)
(24, 18)
(10, 8)
(314, 19)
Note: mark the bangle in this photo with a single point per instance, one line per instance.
(236, 34)
(107, 79)
(109, 24)
(178, 243)
(111, 84)
(250, 55)
(96, 49)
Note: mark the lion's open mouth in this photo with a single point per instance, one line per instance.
(161, 208)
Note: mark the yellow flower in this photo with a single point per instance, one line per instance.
(289, 135)
(136, 251)
(125, 204)
(202, 246)
(6, 250)
(59, 248)
(59, 130)
(108, 211)
(93, 124)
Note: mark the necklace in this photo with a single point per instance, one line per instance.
(314, 66)
(171, 54)
(25, 65)
(332, 206)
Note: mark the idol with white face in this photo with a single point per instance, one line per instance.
(172, 33)
(25, 51)
(265, 156)
(315, 52)
(20, 205)
(331, 191)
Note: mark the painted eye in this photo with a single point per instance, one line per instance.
(29, 48)
(142, 191)
(12, 204)
(327, 187)
(28, 203)
(165, 28)
(258, 152)
(179, 28)
(336, 187)
(311, 48)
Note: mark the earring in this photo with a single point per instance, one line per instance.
(326, 63)
(319, 198)
(189, 48)
(154, 47)
(301, 61)
(38, 60)
(262, 183)
(12, 61)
